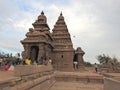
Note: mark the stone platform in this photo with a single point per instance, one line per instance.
(44, 78)
(63, 81)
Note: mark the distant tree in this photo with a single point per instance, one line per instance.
(103, 59)
(8, 57)
(115, 59)
(17, 55)
(11, 55)
(87, 64)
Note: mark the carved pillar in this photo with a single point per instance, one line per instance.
(26, 52)
(47, 51)
(41, 52)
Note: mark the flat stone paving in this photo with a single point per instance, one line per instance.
(76, 86)
(62, 85)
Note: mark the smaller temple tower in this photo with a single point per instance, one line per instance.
(38, 41)
(78, 57)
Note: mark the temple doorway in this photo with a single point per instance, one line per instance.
(34, 53)
(75, 61)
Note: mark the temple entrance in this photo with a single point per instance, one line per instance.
(34, 53)
(75, 62)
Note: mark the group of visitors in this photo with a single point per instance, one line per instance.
(8, 65)
(42, 61)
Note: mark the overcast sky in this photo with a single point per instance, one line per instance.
(94, 25)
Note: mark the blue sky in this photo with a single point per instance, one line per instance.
(94, 23)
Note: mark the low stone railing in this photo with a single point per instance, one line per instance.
(30, 77)
(75, 77)
(32, 70)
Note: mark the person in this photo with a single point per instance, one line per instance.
(28, 61)
(75, 61)
(50, 61)
(45, 61)
(23, 62)
(75, 65)
(6, 67)
(11, 68)
(35, 63)
(1, 60)
(96, 67)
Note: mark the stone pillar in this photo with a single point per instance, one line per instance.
(80, 60)
(26, 52)
(41, 52)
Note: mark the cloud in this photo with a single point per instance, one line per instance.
(94, 23)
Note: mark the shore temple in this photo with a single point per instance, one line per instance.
(57, 45)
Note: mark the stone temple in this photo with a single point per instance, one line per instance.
(57, 45)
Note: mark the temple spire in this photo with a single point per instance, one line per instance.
(41, 23)
(42, 12)
(61, 35)
(61, 13)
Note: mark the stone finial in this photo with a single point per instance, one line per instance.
(42, 18)
(61, 13)
(61, 16)
(42, 12)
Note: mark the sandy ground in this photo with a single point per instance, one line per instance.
(5, 74)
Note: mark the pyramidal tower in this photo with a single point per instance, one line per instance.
(38, 41)
(63, 47)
